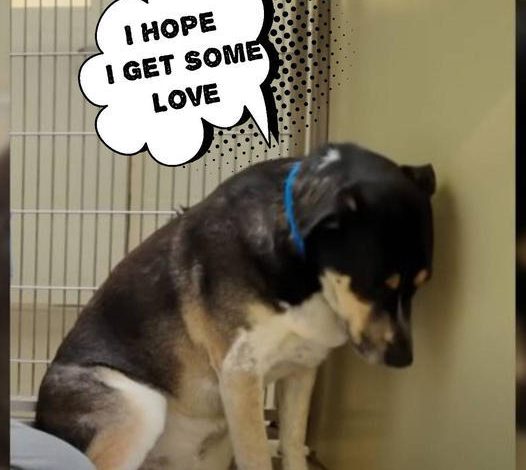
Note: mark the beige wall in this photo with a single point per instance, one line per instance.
(433, 81)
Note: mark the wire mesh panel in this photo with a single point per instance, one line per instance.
(78, 208)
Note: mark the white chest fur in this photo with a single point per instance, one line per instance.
(278, 343)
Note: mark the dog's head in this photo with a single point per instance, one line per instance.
(371, 238)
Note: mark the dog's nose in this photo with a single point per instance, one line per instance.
(399, 355)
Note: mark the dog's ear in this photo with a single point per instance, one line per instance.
(423, 176)
(348, 201)
(343, 203)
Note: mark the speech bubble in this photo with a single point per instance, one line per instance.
(169, 71)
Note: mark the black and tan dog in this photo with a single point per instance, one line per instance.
(166, 366)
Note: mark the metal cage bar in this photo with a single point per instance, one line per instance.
(77, 208)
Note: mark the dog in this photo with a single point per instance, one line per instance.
(285, 261)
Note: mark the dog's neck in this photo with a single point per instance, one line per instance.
(297, 274)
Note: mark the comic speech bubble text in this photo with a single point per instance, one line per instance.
(169, 70)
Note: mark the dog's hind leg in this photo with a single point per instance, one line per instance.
(127, 437)
(102, 412)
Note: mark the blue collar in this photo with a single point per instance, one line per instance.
(288, 199)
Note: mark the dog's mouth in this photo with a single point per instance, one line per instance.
(365, 349)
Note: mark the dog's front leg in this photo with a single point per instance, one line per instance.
(294, 393)
(242, 396)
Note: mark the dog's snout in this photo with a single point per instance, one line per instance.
(399, 354)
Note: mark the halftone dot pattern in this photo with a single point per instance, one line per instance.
(299, 34)
(341, 49)
(302, 35)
